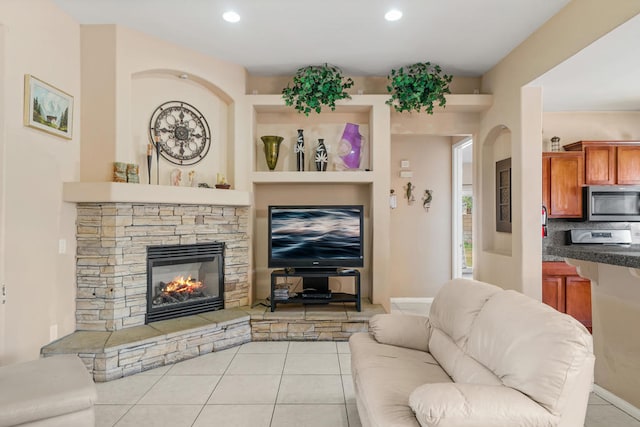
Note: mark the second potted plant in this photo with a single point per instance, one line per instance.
(315, 86)
(418, 86)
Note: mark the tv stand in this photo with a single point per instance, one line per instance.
(318, 280)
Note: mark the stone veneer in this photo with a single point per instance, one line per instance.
(112, 240)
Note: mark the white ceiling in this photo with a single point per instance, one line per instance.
(275, 37)
(465, 37)
(604, 76)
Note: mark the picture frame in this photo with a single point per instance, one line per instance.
(47, 108)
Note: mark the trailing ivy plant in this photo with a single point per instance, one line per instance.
(418, 86)
(315, 86)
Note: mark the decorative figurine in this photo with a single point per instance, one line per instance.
(426, 199)
(176, 177)
(221, 182)
(192, 178)
(409, 193)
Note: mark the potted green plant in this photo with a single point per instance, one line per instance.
(315, 86)
(418, 86)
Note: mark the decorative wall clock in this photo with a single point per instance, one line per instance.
(180, 132)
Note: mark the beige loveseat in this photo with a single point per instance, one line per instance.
(484, 357)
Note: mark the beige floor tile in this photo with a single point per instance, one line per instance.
(352, 414)
(343, 347)
(310, 416)
(262, 347)
(125, 391)
(257, 364)
(349, 393)
(306, 347)
(181, 390)
(311, 389)
(235, 416)
(345, 363)
(312, 364)
(108, 415)
(208, 364)
(246, 389)
(159, 371)
(608, 416)
(160, 416)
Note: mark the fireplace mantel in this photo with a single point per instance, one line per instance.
(117, 192)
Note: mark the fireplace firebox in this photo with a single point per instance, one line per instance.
(184, 279)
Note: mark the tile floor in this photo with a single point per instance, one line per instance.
(270, 384)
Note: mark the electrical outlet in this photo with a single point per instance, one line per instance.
(62, 246)
(3, 296)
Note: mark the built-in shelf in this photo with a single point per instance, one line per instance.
(118, 192)
(309, 177)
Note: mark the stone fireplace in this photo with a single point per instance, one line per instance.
(113, 240)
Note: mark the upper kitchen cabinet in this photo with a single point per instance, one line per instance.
(609, 162)
(562, 181)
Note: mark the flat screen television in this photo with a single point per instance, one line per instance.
(324, 237)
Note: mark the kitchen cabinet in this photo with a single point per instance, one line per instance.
(609, 162)
(567, 292)
(562, 182)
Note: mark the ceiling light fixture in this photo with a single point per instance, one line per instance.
(393, 15)
(231, 16)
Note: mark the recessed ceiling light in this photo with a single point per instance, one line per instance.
(231, 16)
(393, 15)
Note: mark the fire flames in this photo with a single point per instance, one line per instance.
(180, 285)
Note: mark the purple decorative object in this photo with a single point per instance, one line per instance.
(350, 146)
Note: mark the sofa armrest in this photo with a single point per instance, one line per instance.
(472, 405)
(401, 330)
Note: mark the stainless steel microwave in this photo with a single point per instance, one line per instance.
(613, 203)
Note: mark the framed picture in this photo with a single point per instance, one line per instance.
(47, 108)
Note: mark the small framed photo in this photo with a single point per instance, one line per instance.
(47, 108)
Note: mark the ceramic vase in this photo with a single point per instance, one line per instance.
(322, 157)
(271, 149)
(350, 146)
(299, 150)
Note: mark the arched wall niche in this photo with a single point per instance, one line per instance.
(496, 147)
(150, 89)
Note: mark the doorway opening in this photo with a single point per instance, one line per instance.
(462, 221)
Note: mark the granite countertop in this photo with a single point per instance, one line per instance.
(605, 254)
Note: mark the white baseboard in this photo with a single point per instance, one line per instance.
(417, 300)
(619, 403)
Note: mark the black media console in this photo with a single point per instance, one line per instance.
(315, 286)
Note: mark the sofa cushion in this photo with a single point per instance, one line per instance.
(530, 347)
(460, 367)
(456, 306)
(471, 405)
(45, 388)
(384, 376)
(401, 330)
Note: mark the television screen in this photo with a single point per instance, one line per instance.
(316, 236)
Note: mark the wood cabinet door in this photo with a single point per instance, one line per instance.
(600, 165)
(566, 177)
(553, 292)
(628, 164)
(578, 299)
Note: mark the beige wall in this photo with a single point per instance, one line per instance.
(420, 239)
(590, 126)
(135, 66)
(42, 41)
(149, 92)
